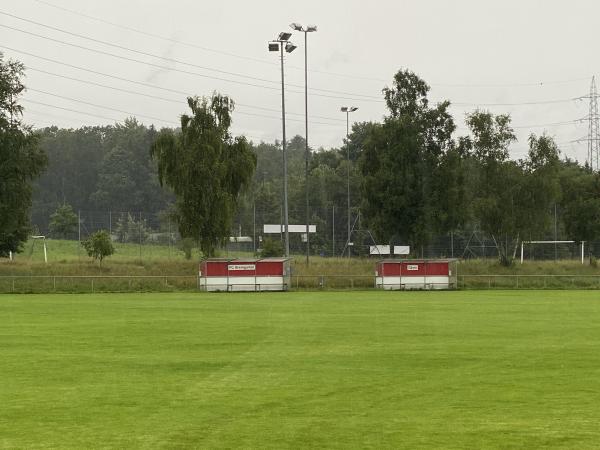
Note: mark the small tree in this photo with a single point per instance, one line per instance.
(99, 245)
(130, 230)
(63, 221)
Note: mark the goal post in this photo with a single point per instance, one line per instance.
(582, 246)
(43, 239)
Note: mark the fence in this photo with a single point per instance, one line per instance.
(172, 283)
(97, 283)
(153, 235)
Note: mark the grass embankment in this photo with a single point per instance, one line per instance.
(66, 259)
(301, 370)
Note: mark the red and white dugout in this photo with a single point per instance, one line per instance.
(416, 274)
(268, 274)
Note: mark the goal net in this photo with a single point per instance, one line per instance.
(552, 250)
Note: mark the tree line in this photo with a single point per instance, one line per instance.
(411, 177)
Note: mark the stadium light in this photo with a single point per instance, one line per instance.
(348, 110)
(283, 43)
(309, 29)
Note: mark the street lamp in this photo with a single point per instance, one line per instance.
(348, 110)
(280, 44)
(309, 29)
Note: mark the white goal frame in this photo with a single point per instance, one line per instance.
(582, 245)
(43, 238)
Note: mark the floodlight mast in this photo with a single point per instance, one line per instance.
(348, 110)
(309, 29)
(279, 44)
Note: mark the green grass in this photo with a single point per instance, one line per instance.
(59, 250)
(67, 259)
(287, 370)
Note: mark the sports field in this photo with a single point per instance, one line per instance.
(517, 369)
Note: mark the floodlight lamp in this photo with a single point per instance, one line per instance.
(344, 109)
(296, 26)
(273, 46)
(354, 108)
(284, 36)
(311, 28)
(289, 47)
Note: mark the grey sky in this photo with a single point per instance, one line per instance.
(471, 52)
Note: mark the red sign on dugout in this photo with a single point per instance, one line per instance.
(416, 274)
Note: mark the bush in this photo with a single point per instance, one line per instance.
(99, 245)
(270, 248)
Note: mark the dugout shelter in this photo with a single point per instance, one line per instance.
(426, 274)
(247, 274)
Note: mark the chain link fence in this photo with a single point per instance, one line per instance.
(154, 235)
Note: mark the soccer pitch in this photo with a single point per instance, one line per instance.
(516, 369)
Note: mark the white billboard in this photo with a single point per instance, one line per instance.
(401, 249)
(379, 249)
(277, 229)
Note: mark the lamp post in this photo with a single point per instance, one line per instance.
(308, 29)
(348, 110)
(280, 44)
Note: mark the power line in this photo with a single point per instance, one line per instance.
(126, 58)
(173, 60)
(170, 100)
(97, 115)
(156, 118)
(264, 61)
(504, 85)
(527, 103)
(70, 110)
(108, 108)
(539, 102)
(157, 36)
(207, 49)
(140, 52)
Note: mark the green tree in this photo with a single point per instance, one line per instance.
(541, 187)
(21, 160)
(206, 168)
(98, 245)
(580, 203)
(400, 161)
(497, 181)
(63, 221)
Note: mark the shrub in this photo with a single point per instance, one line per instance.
(270, 248)
(99, 245)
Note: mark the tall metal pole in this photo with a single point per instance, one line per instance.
(306, 143)
(285, 181)
(348, 170)
(333, 230)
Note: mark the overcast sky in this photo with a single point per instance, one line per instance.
(472, 52)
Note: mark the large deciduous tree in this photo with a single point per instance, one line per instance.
(21, 160)
(512, 199)
(401, 162)
(497, 181)
(206, 168)
(581, 203)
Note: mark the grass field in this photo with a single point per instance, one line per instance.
(321, 369)
(67, 260)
